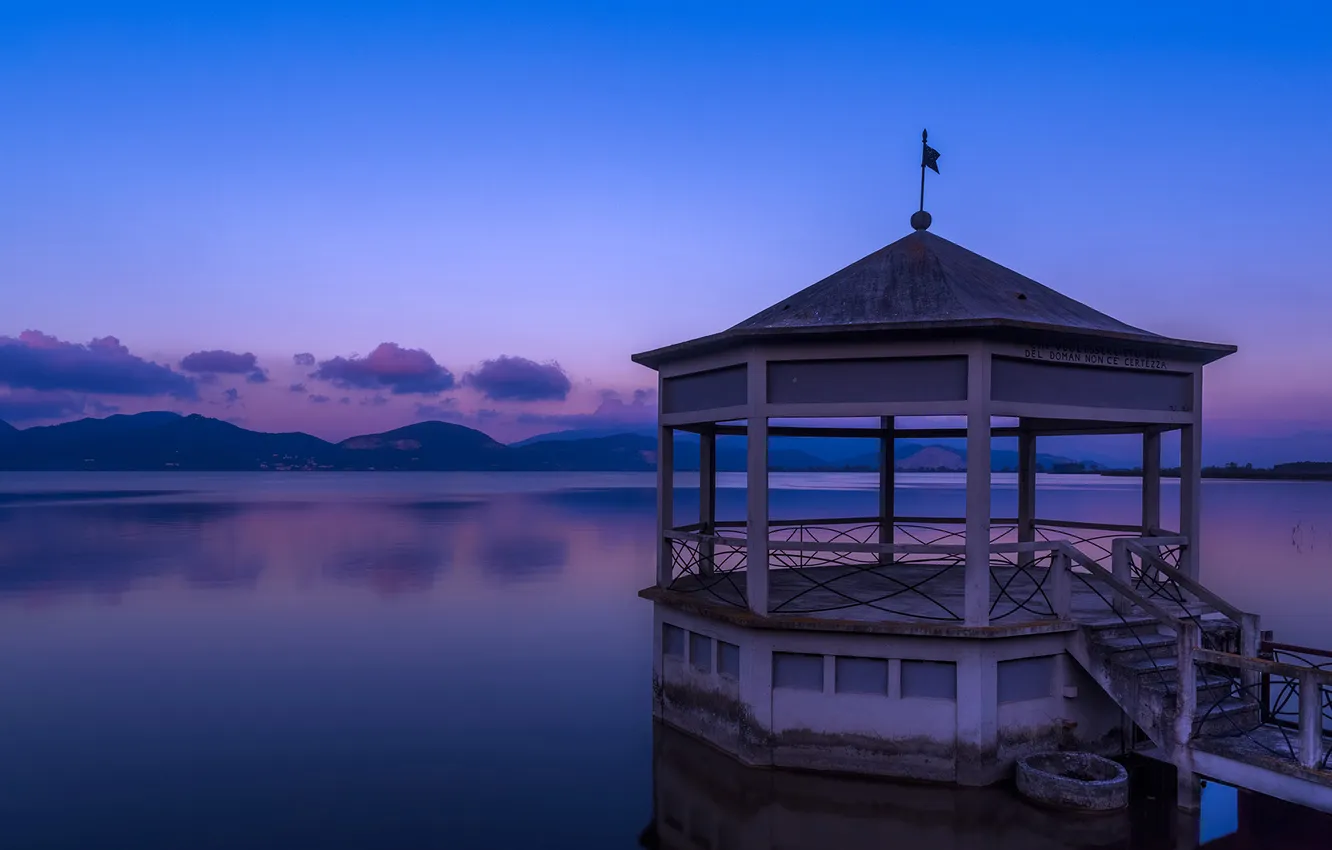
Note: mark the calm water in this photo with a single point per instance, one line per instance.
(456, 660)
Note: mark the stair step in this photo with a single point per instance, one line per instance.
(1107, 629)
(1228, 715)
(1112, 622)
(1128, 643)
(1210, 687)
(1149, 665)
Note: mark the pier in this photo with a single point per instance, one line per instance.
(945, 648)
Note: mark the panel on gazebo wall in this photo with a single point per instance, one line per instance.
(1089, 386)
(709, 390)
(867, 380)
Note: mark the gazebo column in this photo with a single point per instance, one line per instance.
(665, 503)
(976, 604)
(756, 489)
(1190, 483)
(707, 496)
(1026, 486)
(1151, 481)
(887, 485)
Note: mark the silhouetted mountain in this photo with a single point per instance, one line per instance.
(425, 445)
(154, 441)
(590, 434)
(620, 452)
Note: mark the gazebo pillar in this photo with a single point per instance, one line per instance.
(976, 604)
(887, 484)
(1026, 485)
(665, 502)
(1190, 482)
(756, 489)
(707, 496)
(1151, 481)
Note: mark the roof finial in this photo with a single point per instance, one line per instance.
(929, 158)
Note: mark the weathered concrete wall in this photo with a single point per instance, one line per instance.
(696, 697)
(1096, 722)
(919, 707)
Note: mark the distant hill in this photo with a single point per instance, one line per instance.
(590, 434)
(153, 441)
(425, 445)
(160, 440)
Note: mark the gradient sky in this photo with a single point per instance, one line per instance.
(573, 182)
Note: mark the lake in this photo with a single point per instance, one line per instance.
(460, 660)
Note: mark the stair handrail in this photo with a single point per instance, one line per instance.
(1312, 751)
(1121, 587)
(1197, 588)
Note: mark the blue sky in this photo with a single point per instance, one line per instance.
(573, 182)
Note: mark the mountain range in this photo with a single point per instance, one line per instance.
(162, 440)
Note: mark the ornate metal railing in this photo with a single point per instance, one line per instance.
(830, 565)
(1151, 565)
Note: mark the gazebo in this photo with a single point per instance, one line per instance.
(926, 328)
(752, 613)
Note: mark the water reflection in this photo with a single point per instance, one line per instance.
(388, 545)
(705, 799)
(461, 661)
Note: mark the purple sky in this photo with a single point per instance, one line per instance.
(438, 203)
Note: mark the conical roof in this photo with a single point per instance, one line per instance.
(925, 278)
(924, 285)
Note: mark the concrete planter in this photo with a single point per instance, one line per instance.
(1078, 781)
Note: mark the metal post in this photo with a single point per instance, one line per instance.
(887, 485)
(1311, 719)
(976, 599)
(1151, 482)
(707, 498)
(756, 527)
(665, 504)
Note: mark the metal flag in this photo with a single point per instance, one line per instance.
(930, 158)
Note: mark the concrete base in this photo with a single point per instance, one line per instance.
(1072, 780)
(941, 708)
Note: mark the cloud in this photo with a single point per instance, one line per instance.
(519, 379)
(613, 409)
(219, 361)
(641, 405)
(319, 399)
(232, 396)
(38, 361)
(32, 405)
(303, 359)
(258, 376)
(376, 400)
(296, 388)
(390, 366)
(344, 400)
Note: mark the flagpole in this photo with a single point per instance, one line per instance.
(924, 136)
